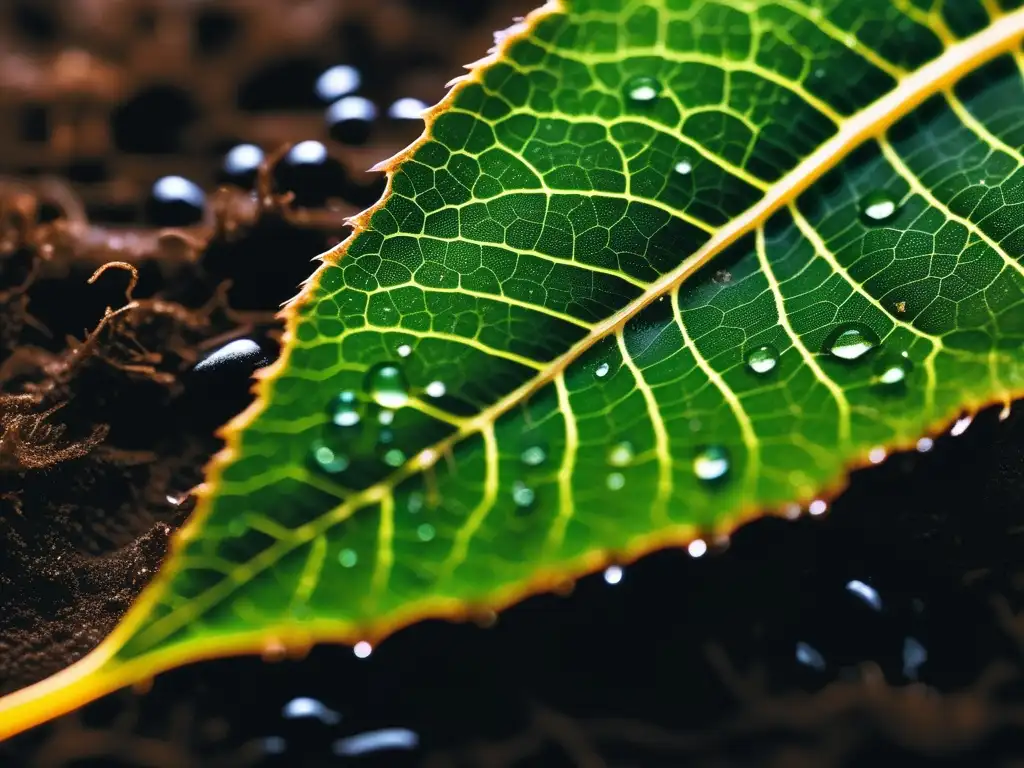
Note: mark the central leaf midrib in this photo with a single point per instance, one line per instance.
(915, 88)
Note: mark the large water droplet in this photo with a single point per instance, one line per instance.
(620, 454)
(851, 341)
(712, 463)
(642, 90)
(762, 359)
(350, 119)
(893, 368)
(338, 81)
(522, 494)
(345, 409)
(878, 208)
(327, 459)
(386, 384)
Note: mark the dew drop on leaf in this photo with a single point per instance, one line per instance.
(615, 481)
(404, 350)
(762, 359)
(878, 208)
(620, 454)
(345, 411)
(712, 463)
(426, 532)
(602, 370)
(386, 384)
(348, 558)
(522, 494)
(327, 459)
(851, 341)
(893, 369)
(642, 90)
(697, 548)
(436, 389)
(684, 167)
(533, 456)
(613, 574)
(394, 458)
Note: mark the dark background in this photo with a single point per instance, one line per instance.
(758, 653)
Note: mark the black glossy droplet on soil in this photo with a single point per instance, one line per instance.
(311, 173)
(241, 164)
(350, 120)
(240, 355)
(175, 202)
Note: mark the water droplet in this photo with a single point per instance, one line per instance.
(380, 740)
(878, 207)
(386, 384)
(436, 389)
(817, 507)
(327, 459)
(925, 444)
(394, 458)
(337, 81)
(386, 418)
(613, 574)
(642, 90)
(522, 494)
(851, 341)
(620, 454)
(241, 164)
(407, 108)
(345, 410)
(762, 359)
(865, 592)
(684, 167)
(914, 656)
(809, 656)
(240, 354)
(305, 706)
(425, 532)
(877, 455)
(404, 350)
(350, 119)
(615, 481)
(697, 548)
(175, 202)
(961, 425)
(893, 368)
(712, 463)
(362, 649)
(533, 456)
(348, 558)
(602, 370)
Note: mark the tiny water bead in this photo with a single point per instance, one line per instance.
(327, 459)
(762, 359)
(620, 454)
(175, 202)
(893, 368)
(436, 389)
(684, 167)
(533, 456)
(613, 574)
(602, 370)
(878, 208)
(350, 120)
(394, 458)
(348, 558)
(362, 649)
(851, 341)
(697, 548)
(809, 656)
(404, 350)
(711, 463)
(642, 90)
(522, 495)
(386, 384)
(308, 707)
(865, 592)
(345, 409)
(615, 481)
(426, 532)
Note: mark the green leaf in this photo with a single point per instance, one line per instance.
(655, 268)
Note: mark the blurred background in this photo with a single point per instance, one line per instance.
(217, 146)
